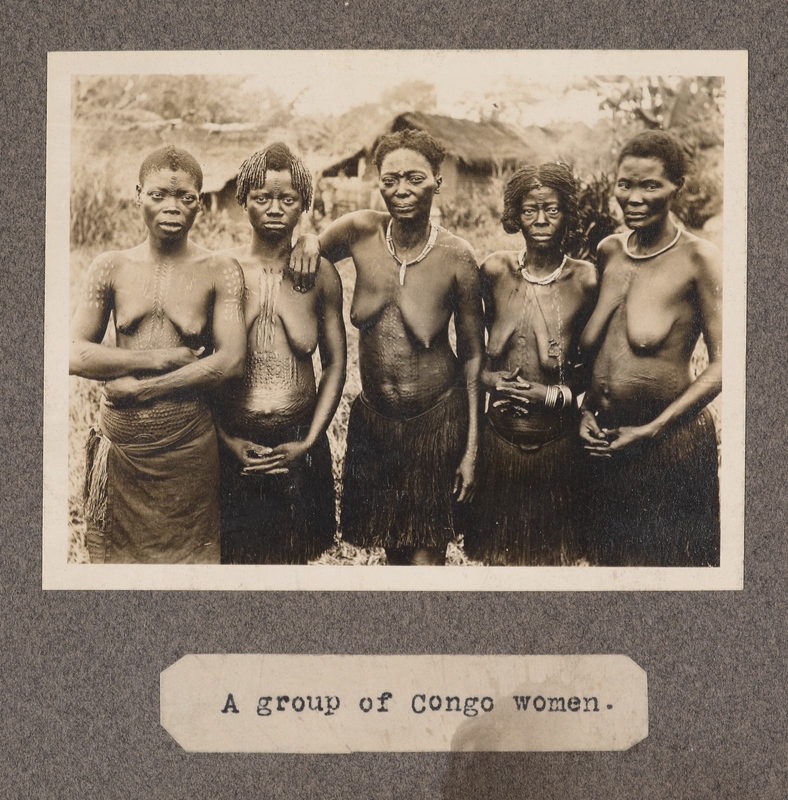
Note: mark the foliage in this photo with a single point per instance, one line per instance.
(596, 219)
(692, 109)
(193, 98)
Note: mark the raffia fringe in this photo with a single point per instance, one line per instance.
(95, 489)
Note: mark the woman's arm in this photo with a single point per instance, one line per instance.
(333, 356)
(334, 243)
(470, 350)
(88, 358)
(227, 359)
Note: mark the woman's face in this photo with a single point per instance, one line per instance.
(170, 201)
(643, 191)
(542, 218)
(407, 184)
(275, 207)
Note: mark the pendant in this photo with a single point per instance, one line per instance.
(553, 349)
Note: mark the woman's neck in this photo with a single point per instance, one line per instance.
(162, 250)
(274, 252)
(409, 234)
(542, 262)
(654, 237)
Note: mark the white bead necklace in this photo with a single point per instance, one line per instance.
(553, 276)
(404, 263)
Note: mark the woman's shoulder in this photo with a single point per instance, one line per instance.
(583, 272)
(455, 245)
(613, 243)
(501, 262)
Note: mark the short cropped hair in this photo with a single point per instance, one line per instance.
(419, 141)
(174, 158)
(553, 176)
(659, 145)
(276, 157)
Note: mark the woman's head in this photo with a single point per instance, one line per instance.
(420, 142)
(651, 170)
(663, 147)
(550, 188)
(275, 158)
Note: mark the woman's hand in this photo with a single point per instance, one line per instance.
(122, 391)
(305, 262)
(593, 437)
(172, 358)
(627, 438)
(606, 442)
(254, 459)
(513, 393)
(465, 479)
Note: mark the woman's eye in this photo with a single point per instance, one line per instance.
(553, 211)
(416, 179)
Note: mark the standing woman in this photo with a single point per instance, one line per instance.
(277, 485)
(654, 489)
(536, 303)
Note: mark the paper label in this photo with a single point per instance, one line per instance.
(427, 703)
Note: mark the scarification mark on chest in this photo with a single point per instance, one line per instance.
(269, 285)
(160, 334)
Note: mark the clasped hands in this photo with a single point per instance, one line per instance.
(514, 394)
(606, 442)
(257, 459)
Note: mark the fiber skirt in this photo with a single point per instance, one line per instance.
(659, 506)
(279, 519)
(399, 475)
(525, 507)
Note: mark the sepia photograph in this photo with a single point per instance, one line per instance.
(461, 313)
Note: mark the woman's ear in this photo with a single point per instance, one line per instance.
(138, 195)
(438, 182)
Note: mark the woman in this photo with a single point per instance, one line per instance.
(536, 302)
(650, 439)
(413, 430)
(152, 483)
(277, 484)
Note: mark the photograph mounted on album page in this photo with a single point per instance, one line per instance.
(434, 314)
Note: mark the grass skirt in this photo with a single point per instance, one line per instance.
(279, 519)
(524, 509)
(659, 506)
(399, 475)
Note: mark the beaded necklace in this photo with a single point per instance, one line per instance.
(404, 263)
(553, 276)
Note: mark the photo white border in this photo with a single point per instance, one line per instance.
(732, 65)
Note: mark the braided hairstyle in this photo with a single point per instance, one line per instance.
(276, 157)
(554, 176)
(174, 158)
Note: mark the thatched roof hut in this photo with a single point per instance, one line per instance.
(475, 151)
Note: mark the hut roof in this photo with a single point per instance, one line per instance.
(474, 143)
